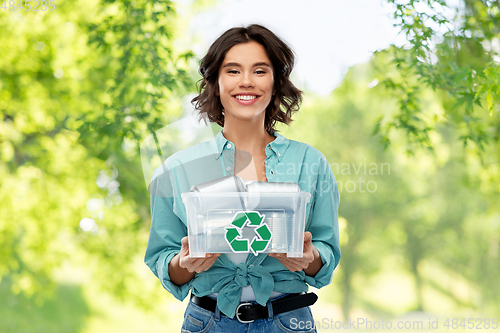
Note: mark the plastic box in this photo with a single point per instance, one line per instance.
(210, 215)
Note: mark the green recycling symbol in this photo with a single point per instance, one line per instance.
(252, 219)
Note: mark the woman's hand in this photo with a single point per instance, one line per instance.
(310, 262)
(182, 267)
(197, 265)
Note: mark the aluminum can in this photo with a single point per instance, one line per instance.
(225, 184)
(271, 187)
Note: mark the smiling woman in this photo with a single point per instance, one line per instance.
(245, 89)
(255, 55)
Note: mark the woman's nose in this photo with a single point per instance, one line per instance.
(246, 80)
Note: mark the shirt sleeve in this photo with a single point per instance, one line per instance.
(324, 225)
(165, 235)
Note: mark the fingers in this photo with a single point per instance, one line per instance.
(184, 246)
(307, 241)
(306, 257)
(199, 265)
(191, 264)
(294, 264)
(300, 263)
(207, 263)
(187, 262)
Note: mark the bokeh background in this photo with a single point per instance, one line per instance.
(400, 96)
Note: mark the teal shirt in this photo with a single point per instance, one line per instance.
(287, 161)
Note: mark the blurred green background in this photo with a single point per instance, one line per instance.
(412, 137)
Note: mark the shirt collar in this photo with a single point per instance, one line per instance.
(278, 146)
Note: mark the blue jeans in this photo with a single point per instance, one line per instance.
(199, 320)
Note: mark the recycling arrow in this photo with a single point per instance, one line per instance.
(251, 219)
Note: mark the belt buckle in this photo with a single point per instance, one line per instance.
(238, 314)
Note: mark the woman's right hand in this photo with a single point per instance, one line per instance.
(182, 267)
(197, 265)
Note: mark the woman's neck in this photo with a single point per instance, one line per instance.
(252, 139)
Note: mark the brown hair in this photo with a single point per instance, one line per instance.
(282, 59)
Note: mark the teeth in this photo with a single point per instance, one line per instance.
(245, 97)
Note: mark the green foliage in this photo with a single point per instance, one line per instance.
(77, 94)
(418, 209)
(455, 51)
(133, 44)
(66, 312)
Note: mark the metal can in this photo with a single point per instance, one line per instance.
(271, 187)
(225, 184)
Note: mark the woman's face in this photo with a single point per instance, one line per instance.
(246, 82)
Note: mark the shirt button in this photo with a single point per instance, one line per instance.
(229, 146)
(271, 172)
(279, 154)
(228, 169)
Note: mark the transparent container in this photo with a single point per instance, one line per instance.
(211, 215)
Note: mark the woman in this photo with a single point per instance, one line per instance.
(246, 90)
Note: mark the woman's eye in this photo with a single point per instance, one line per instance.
(260, 72)
(233, 71)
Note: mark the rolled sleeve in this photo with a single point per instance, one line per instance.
(324, 225)
(165, 235)
(179, 292)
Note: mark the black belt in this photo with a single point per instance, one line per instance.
(248, 312)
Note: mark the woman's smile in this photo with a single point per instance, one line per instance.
(246, 99)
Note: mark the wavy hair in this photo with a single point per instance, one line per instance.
(287, 97)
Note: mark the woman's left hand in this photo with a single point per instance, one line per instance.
(310, 262)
